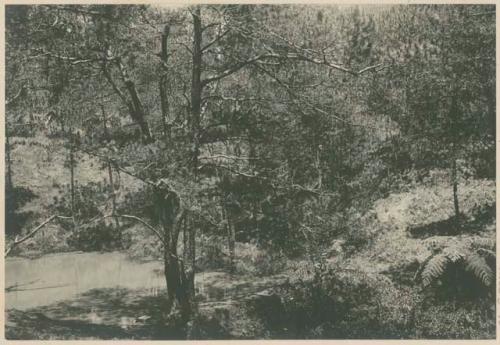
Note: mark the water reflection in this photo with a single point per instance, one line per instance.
(36, 282)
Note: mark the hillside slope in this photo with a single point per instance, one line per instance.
(422, 206)
(39, 164)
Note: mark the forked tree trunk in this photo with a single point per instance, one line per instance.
(172, 217)
(179, 277)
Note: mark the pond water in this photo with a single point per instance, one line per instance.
(51, 278)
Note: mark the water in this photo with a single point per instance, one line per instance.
(57, 277)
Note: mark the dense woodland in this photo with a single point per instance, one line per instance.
(347, 150)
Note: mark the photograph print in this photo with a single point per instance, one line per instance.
(258, 171)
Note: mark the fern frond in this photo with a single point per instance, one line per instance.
(483, 242)
(488, 253)
(478, 266)
(434, 268)
(455, 253)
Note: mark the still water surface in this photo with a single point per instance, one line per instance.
(52, 278)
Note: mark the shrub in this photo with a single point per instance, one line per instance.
(250, 259)
(15, 199)
(337, 304)
(89, 232)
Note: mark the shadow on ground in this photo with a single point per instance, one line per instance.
(120, 313)
(97, 314)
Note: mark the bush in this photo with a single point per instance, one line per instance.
(15, 199)
(89, 233)
(98, 236)
(351, 304)
(337, 304)
(211, 253)
(252, 260)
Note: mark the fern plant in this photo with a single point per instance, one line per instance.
(475, 254)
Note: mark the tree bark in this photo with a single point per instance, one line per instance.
(172, 217)
(72, 175)
(196, 87)
(138, 114)
(227, 218)
(135, 107)
(455, 192)
(231, 236)
(107, 137)
(164, 106)
(163, 83)
(9, 161)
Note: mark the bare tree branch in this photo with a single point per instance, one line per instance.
(116, 166)
(215, 40)
(291, 56)
(205, 27)
(32, 233)
(227, 157)
(78, 9)
(71, 59)
(115, 87)
(16, 96)
(233, 69)
(297, 98)
(143, 222)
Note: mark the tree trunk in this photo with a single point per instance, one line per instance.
(138, 114)
(9, 161)
(226, 216)
(163, 83)
(491, 101)
(171, 217)
(196, 87)
(164, 107)
(72, 175)
(455, 192)
(135, 107)
(190, 267)
(110, 174)
(231, 236)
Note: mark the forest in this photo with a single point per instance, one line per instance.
(250, 171)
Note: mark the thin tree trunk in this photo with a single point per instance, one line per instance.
(139, 114)
(196, 87)
(163, 83)
(231, 236)
(72, 175)
(9, 161)
(455, 192)
(164, 106)
(135, 107)
(229, 227)
(107, 137)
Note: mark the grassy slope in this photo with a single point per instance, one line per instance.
(38, 163)
(421, 205)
